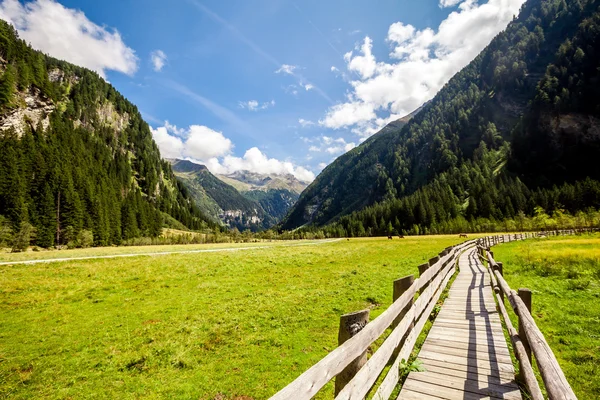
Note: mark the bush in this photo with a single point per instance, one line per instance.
(85, 238)
(22, 238)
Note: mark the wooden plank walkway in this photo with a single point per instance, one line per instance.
(465, 354)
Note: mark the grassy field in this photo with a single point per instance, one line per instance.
(201, 326)
(564, 275)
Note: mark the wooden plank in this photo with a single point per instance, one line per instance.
(464, 371)
(471, 327)
(463, 359)
(444, 392)
(390, 381)
(464, 345)
(477, 385)
(489, 354)
(410, 395)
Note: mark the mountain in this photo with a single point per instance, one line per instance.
(275, 193)
(242, 200)
(246, 181)
(515, 130)
(216, 198)
(78, 161)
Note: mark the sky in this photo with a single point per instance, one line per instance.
(269, 86)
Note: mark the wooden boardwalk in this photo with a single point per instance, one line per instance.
(465, 354)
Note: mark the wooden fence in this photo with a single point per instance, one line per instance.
(407, 317)
(356, 375)
(528, 338)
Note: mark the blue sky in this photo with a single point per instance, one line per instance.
(273, 86)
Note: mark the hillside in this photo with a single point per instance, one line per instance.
(243, 200)
(78, 161)
(515, 129)
(217, 199)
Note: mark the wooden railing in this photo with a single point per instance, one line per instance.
(355, 374)
(528, 338)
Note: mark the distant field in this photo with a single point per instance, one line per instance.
(7, 256)
(189, 325)
(564, 275)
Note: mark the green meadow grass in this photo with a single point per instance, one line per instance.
(564, 276)
(201, 326)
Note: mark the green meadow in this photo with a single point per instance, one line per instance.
(564, 276)
(226, 325)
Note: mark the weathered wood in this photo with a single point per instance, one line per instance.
(400, 287)
(317, 376)
(361, 383)
(526, 374)
(525, 295)
(386, 388)
(350, 325)
(554, 379)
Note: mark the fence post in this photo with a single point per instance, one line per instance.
(525, 295)
(500, 268)
(400, 287)
(422, 269)
(350, 325)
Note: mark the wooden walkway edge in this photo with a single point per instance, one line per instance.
(465, 354)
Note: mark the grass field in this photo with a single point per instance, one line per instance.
(201, 326)
(564, 275)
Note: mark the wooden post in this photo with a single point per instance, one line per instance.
(400, 286)
(525, 295)
(500, 267)
(422, 269)
(350, 325)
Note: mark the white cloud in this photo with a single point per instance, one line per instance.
(331, 145)
(421, 62)
(170, 146)
(67, 34)
(255, 160)
(449, 3)
(305, 123)
(254, 105)
(204, 143)
(287, 69)
(197, 142)
(322, 165)
(211, 148)
(159, 59)
(309, 86)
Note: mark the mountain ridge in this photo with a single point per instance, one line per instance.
(470, 127)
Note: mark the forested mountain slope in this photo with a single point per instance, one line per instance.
(78, 161)
(515, 129)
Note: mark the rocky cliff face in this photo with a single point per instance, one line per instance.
(35, 109)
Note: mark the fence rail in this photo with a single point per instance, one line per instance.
(355, 375)
(529, 338)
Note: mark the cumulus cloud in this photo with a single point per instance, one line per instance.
(159, 59)
(421, 62)
(68, 34)
(211, 148)
(309, 86)
(254, 105)
(197, 142)
(255, 160)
